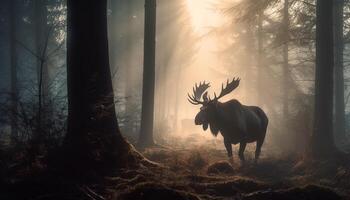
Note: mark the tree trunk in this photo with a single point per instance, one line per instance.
(285, 79)
(93, 141)
(146, 134)
(249, 64)
(177, 99)
(260, 61)
(129, 87)
(13, 65)
(322, 137)
(41, 36)
(339, 70)
(113, 32)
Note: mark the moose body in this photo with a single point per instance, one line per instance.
(237, 123)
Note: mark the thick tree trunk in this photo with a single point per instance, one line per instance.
(146, 134)
(322, 137)
(13, 65)
(339, 70)
(93, 141)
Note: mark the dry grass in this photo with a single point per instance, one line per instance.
(199, 170)
(275, 177)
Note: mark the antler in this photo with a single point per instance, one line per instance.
(197, 93)
(230, 86)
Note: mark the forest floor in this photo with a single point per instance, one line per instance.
(202, 171)
(191, 168)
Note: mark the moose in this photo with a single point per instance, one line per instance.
(237, 123)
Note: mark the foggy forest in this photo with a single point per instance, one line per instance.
(174, 99)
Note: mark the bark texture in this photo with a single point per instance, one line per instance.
(146, 134)
(13, 66)
(93, 140)
(339, 126)
(322, 137)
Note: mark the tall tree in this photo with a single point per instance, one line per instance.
(129, 64)
(41, 38)
(93, 140)
(41, 44)
(260, 61)
(248, 62)
(285, 68)
(339, 70)
(113, 31)
(13, 66)
(322, 137)
(146, 134)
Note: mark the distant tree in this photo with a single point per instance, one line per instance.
(93, 140)
(125, 27)
(260, 59)
(176, 43)
(146, 131)
(13, 66)
(41, 36)
(114, 32)
(289, 45)
(285, 67)
(254, 13)
(339, 70)
(175, 47)
(168, 14)
(322, 137)
(131, 37)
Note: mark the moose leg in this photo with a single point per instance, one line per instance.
(242, 146)
(259, 143)
(228, 146)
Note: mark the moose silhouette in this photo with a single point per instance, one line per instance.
(237, 123)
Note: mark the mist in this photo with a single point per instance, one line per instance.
(174, 99)
(211, 41)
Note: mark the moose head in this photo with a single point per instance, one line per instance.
(208, 112)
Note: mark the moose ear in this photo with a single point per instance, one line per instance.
(205, 97)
